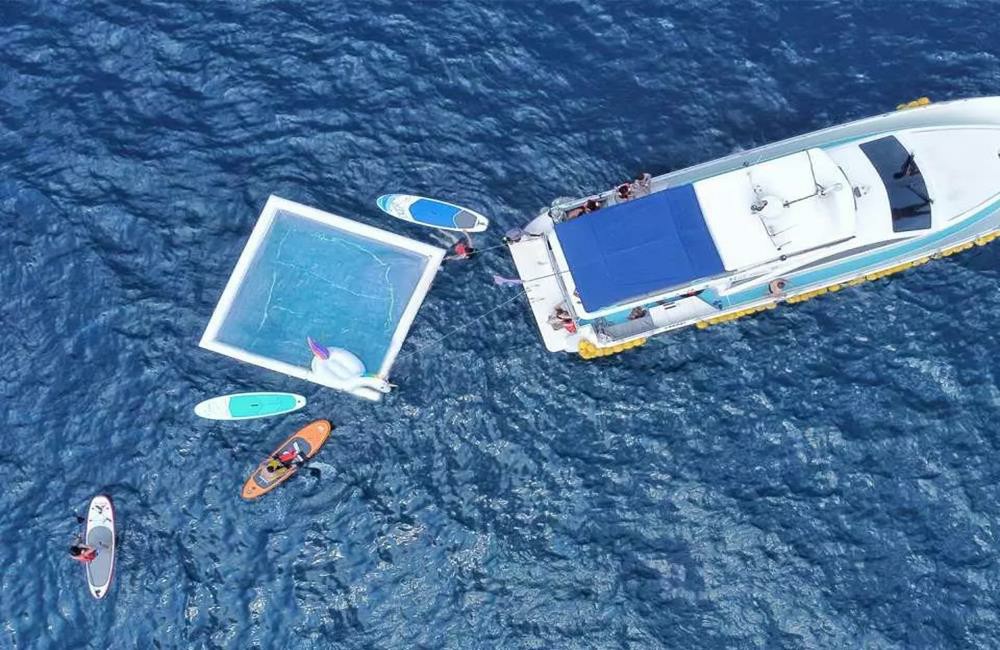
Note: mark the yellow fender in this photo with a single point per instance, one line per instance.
(588, 350)
(726, 318)
(916, 103)
(958, 248)
(982, 240)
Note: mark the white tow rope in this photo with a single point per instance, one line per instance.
(464, 325)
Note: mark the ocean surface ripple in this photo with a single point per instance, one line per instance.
(821, 476)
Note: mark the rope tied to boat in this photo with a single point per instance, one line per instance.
(467, 324)
(462, 326)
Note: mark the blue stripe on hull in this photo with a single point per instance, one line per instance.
(850, 267)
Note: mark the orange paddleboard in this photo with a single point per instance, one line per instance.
(306, 441)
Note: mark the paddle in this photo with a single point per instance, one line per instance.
(318, 466)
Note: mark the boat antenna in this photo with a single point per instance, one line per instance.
(759, 202)
(819, 189)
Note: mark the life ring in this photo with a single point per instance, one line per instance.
(777, 286)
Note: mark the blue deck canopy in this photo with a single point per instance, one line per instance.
(639, 247)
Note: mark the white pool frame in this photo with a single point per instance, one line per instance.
(433, 254)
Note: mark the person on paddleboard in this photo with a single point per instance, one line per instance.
(282, 462)
(83, 553)
(288, 457)
(274, 468)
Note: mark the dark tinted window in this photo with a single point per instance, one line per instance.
(908, 198)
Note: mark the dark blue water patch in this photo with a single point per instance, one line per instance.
(817, 476)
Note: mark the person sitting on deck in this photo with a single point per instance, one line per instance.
(624, 192)
(273, 469)
(513, 236)
(590, 205)
(642, 186)
(637, 313)
(562, 319)
(281, 462)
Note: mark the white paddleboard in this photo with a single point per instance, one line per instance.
(246, 406)
(101, 536)
(433, 213)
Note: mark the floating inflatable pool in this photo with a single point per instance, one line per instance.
(305, 272)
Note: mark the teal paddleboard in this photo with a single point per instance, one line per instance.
(246, 406)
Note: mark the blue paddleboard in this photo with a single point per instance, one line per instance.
(433, 213)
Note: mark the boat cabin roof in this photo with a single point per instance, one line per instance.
(725, 223)
(638, 247)
(776, 208)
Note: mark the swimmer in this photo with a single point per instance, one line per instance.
(462, 250)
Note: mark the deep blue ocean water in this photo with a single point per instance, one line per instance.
(822, 476)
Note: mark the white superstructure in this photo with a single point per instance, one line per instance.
(776, 224)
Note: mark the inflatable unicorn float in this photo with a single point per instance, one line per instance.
(339, 369)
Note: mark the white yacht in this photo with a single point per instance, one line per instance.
(780, 223)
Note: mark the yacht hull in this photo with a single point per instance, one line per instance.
(965, 216)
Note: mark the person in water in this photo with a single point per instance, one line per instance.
(83, 553)
(462, 250)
